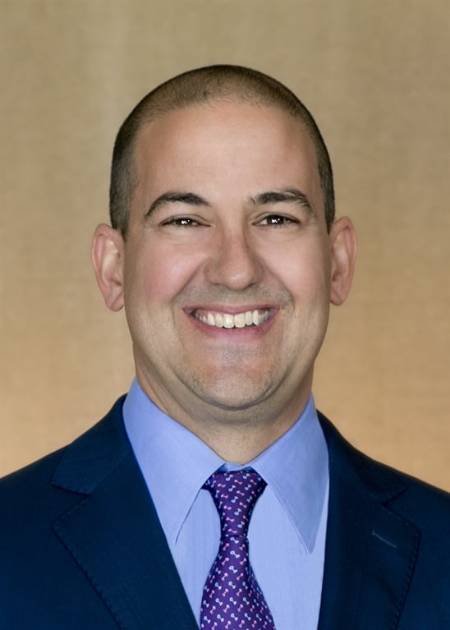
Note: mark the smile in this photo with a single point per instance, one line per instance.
(232, 320)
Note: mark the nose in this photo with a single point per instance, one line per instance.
(233, 262)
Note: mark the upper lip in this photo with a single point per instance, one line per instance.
(231, 310)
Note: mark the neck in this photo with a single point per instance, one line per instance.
(241, 446)
(236, 435)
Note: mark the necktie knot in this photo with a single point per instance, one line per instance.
(235, 494)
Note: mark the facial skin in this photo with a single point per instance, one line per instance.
(227, 218)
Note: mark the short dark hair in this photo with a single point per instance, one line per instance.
(218, 82)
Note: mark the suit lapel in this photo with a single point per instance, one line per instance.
(370, 550)
(114, 535)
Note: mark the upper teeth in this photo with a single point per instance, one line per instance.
(228, 320)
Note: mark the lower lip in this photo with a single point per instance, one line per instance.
(248, 332)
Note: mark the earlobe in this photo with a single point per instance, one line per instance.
(343, 255)
(107, 258)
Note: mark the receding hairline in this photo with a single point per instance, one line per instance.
(183, 92)
(213, 101)
(202, 86)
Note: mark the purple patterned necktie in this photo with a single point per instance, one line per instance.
(232, 598)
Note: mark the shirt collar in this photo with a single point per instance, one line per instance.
(175, 464)
(295, 467)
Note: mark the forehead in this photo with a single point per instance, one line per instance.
(225, 145)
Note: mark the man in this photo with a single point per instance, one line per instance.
(214, 495)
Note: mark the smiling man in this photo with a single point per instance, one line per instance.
(214, 495)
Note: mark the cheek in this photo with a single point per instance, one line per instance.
(159, 274)
(304, 271)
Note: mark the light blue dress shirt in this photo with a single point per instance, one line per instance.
(288, 525)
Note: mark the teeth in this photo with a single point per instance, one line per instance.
(239, 320)
(227, 320)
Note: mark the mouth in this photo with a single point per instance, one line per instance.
(244, 319)
(247, 319)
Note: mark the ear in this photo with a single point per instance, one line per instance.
(107, 256)
(343, 255)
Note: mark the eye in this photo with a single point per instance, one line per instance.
(182, 222)
(277, 220)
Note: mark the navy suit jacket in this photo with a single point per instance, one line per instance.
(81, 547)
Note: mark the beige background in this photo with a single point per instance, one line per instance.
(376, 75)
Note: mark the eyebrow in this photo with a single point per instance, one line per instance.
(286, 194)
(177, 197)
(271, 196)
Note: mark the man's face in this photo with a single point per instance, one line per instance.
(227, 261)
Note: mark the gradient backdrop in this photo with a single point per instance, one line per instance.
(375, 74)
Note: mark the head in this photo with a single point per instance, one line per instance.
(224, 248)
